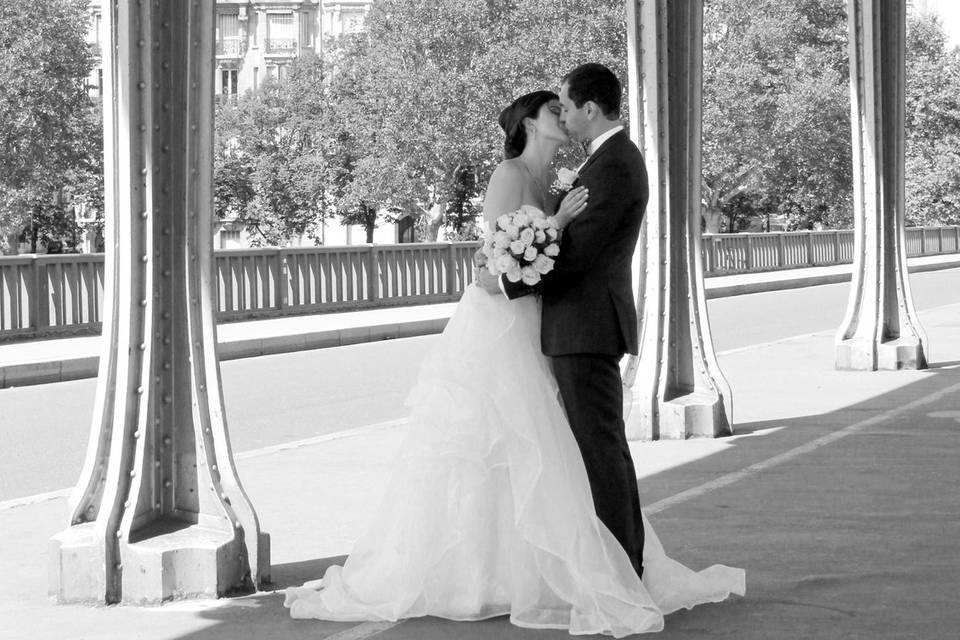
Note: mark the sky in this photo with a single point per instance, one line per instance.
(949, 11)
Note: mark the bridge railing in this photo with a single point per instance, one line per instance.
(45, 295)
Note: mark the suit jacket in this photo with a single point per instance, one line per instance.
(588, 304)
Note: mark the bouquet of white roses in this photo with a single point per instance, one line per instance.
(523, 245)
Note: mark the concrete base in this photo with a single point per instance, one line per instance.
(174, 563)
(76, 566)
(170, 561)
(903, 353)
(862, 355)
(695, 415)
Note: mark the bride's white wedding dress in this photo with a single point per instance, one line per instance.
(489, 511)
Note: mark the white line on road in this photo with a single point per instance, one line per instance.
(754, 469)
(295, 444)
(243, 455)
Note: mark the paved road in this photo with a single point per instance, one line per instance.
(273, 399)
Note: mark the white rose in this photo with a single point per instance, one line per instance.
(527, 236)
(552, 249)
(513, 231)
(551, 233)
(517, 247)
(530, 254)
(543, 264)
(505, 263)
(567, 176)
(529, 276)
(503, 221)
(501, 240)
(521, 220)
(539, 236)
(541, 223)
(514, 274)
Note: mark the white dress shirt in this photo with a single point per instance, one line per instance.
(599, 140)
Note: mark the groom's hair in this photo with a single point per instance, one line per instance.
(595, 82)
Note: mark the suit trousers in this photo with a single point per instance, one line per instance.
(592, 394)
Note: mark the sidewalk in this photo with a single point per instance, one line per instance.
(837, 495)
(56, 360)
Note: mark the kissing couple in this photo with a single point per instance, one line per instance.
(514, 492)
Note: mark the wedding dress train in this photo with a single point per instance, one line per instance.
(489, 511)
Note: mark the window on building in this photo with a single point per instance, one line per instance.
(228, 34)
(95, 24)
(256, 78)
(306, 31)
(281, 36)
(272, 71)
(228, 83)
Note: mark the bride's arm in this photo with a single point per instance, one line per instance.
(504, 194)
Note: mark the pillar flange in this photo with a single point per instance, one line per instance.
(676, 384)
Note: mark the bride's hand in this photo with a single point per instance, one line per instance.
(573, 205)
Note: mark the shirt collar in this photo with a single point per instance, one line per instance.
(603, 137)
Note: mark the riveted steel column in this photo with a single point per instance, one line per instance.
(881, 329)
(677, 388)
(158, 512)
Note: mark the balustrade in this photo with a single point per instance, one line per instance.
(42, 295)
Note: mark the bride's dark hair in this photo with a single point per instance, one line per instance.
(511, 120)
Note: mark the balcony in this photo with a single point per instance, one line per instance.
(280, 46)
(229, 47)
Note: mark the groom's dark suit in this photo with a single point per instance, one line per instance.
(589, 321)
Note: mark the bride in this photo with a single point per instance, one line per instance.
(489, 511)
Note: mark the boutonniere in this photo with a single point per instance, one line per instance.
(564, 182)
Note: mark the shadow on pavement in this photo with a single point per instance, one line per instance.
(855, 538)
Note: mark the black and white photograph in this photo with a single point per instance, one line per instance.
(479, 319)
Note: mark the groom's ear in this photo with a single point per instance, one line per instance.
(591, 110)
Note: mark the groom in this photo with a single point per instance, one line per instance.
(589, 317)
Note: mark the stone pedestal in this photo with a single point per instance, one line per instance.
(676, 384)
(881, 329)
(159, 512)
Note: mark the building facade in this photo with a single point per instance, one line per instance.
(258, 39)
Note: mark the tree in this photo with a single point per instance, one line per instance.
(776, 111)
(51, 141)
(933, 124)
(429, 79)
(270, 163)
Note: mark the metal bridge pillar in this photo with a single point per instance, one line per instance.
(158, 512)
(881, 329)
(677, 388)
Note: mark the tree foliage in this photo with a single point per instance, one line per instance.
(432, 78)
(933, 125)
(51, 138)
(776, 131)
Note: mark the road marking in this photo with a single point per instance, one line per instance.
(243, 455)
(754, 469)
(34, 499)
(295, 444)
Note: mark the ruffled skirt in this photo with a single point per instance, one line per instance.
(488, 511)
